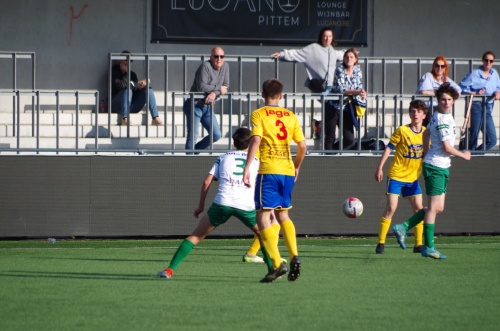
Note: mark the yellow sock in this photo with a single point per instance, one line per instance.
(270, 242)
(384, 228)
(418, 231)
(276, 228)
(290, 238)
(254, 247)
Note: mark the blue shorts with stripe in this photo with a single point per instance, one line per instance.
(274, 191)
(396, 187)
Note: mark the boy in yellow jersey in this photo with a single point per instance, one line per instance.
(402, 178)
(273, 129)
(439, 142)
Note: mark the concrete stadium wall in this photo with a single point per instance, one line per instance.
(150, 196)
(72, 40)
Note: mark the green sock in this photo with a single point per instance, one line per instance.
(414, 220)
(267, 259)
(184, 249)
(429, 235)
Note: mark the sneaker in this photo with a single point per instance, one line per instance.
(252, 258)
(156, 121)
(284, 261)
(124, 121)
(167, 273)
(400, 233)
(275, 274)
(380, 249)
(294, 269)
(417, 249)
(432, 252)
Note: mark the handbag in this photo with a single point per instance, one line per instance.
(318, 85)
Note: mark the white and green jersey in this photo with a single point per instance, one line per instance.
(232, 192)
(442, 127)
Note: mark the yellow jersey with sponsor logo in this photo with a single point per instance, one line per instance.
(277, 127)
(407, 163)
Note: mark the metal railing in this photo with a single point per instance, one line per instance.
(384, 114)
(381, 75)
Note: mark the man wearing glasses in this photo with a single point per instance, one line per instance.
(211, 78)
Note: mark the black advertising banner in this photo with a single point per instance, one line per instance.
(270, 22)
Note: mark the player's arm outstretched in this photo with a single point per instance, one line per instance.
(448, 148)
(252, 151)
(203, 194)
(379, 172)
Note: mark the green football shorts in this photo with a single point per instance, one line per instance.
(219, 214)
(436, 179)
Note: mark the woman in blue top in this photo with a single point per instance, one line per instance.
(483, 81)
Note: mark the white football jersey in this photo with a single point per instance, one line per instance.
(232, 192)
(442, 127)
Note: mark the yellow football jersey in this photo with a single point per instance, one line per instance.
(407, 163)
(277, 127)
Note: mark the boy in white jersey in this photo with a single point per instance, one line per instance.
(440, 133)
(233, 198)
(402, 177)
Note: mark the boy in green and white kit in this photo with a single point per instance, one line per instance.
(233, 198)
(439, 139)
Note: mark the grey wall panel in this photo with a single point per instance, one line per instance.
(106, 196)
(72, 40)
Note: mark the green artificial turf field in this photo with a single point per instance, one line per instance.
(344, 285)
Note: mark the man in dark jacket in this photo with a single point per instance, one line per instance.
(136, 97)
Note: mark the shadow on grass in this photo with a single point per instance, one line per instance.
(124, 277)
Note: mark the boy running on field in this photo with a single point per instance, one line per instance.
(273, 129)
(402, 178)
(233, 198)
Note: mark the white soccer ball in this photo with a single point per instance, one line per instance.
(352, 207)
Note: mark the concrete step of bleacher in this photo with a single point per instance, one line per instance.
(131, 144)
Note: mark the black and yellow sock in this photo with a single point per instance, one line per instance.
(429, 235)
(383, 229)
(184, 249)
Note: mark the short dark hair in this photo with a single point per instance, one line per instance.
(241, 138)
(488, 53)
(420, 105)
(320, 36)
(448, 89)
(272, 88)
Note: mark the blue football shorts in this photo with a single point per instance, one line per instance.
(274, 191)
(396, 187)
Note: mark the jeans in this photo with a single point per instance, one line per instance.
(202, 114)
(137, 101)
(477, 125)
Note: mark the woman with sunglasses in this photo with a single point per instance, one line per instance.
(319, 58)
(483, 81)
(431, 81)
